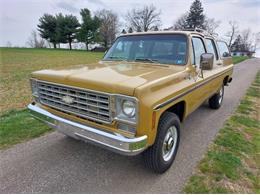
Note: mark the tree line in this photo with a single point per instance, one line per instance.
(238, 40)
(242, 40)
(61, 28)
(103, 26)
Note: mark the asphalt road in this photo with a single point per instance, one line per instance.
(56, 164)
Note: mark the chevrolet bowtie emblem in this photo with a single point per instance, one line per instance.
(67, 99)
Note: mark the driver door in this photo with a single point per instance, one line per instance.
(199, 95)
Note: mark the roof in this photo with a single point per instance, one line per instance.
(166, 32)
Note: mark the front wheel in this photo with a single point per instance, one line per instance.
(161, 155)
(216, 100)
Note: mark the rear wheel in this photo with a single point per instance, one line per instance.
(161, 155)
(216, 100)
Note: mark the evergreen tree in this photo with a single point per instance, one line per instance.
(196, 17)
(48, 28)
(237, 45)
(123, 31)
(67, 27)
(88, 32)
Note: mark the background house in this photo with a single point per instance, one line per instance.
(243, 53)
(242, 46)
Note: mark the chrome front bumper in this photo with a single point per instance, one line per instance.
(114, 142)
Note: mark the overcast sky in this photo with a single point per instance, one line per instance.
(19, 17)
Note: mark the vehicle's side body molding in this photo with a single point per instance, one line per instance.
(159, 106)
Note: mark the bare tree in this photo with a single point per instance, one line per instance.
(144, 19)
(211, 24)
(232, 33)
(181, 23)
(256, 43)
(109, 26)
(34, 41)
(246, 39)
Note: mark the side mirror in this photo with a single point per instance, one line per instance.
(206, 61)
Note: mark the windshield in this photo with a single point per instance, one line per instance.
(161, 48)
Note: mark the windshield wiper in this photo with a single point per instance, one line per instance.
(117, 58)
(146, 60)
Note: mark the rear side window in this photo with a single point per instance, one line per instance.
(211, 48)
(223, 49)
(198, 49)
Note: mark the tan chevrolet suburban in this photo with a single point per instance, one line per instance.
(134, 100)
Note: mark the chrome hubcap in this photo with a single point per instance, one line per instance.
(169, 143)
(220, 95)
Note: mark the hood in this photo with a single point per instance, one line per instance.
(112, 77)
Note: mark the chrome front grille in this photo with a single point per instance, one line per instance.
(79, 102)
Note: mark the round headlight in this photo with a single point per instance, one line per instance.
(128, 108)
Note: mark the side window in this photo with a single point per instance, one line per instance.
(211, 48)
(223, 49)
(198, 49)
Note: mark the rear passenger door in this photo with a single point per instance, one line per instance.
(212, 48)
(224, 53)
(218, 64)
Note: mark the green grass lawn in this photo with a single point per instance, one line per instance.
(232, 164)
(19, 126)
(237, 59)
(16, 65)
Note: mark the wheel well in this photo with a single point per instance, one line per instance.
(178, 109)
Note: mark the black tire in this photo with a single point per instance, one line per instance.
(216, 100)
(153, 156)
